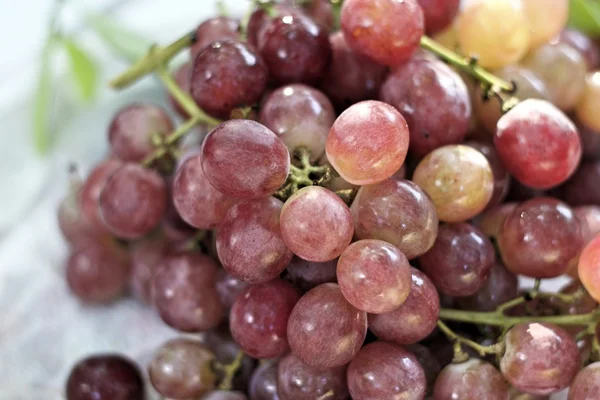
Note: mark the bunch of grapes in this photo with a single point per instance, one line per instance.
(283, 236)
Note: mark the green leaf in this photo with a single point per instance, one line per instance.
(41, 104)
(584, 15)
(83, 69)
(121, 41)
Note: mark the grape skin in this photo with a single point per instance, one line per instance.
(583, 188)
(501, 175)
(584, 45)
(145, 257)
(545, 19)
(588, 267)
(586, 385)
(473, 379)
(305, 275)
(263, 384)
(229, 287)
(91, 189)
(501, 286)
(212, 30)
(438, 14)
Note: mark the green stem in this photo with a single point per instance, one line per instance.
(497, 318)
(230, 370)
(482, 350)
(171, 139)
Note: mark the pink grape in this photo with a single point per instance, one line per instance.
(438, 14)
(72, 221)
(145, 256)
(313, 238)
(321, 319)
(249, 241)
(91, 189)
(212, 30)
(374, 276)
(244, 159)
(501, 175)
(368, 142)
(589, 219)
(584, 45)
(473, 379)
(229, 287)
(589, 268)
(431, 366)
(586, 385)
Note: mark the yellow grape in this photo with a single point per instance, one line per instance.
(545, 19)
(589, 104)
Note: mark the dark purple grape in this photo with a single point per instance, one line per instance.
(586, 385)
(183, 369)
(500, 287)
(184, 293)
(244, 159)
(294, 47)
(249, 241)
(583, 189)
(320, 321)
(145, 256)
(433, 99)
(415, 319)
(225, 395)
(229, 287)
(501, 175)
(584, 45)
(132, 130)
(350, 76)
(307, 274)
(298, 381)
(91, 189)
(259, 318)
(212, 30)
(438, 14)
(460, 261)
(263, 384)
(473, 379)
(133, 201)
(590, 142)
(105, 377)
(431, 366)
(383, 370)
(226, 75)
(98, 271)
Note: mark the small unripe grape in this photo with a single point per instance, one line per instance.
(589, 104)
(494, 31)
(545, 19)
(589, 267)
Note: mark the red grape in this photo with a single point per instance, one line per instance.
(590, 142)
(433, 99)
(244, 159)
(132, 129)
(586, 385)
(438, 14)
(374, 276)
(322, 320)
(259, 318)
(316, 224)
(105, 377)
(319, 10)
(91, 189)
(415, 319)
(387, 31)
(583, 188)
(473, 379)
(226, 75)
(540, 238)
(589, 219)
(212, 30)
(492, 220)
(263, 384)
(501, 176)
(145, 256)
(589, 268)
(383, 370)
(182, 78)
(397, 211)
(229, 287)
(368, 142)
(500, 287)
(72, 221)
(540, 358)
(431, 366)
(460, 261)
(305, 275)
(249, 241)
(225, 395)
(538, 144)
(300, 116)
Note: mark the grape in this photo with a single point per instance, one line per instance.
(259, 317)
(374, 276)
(145, 256)
(263, 385)
(588, 268)
(72, 221)
(460, 261)
(350, 76)
(229, 287)
(196, 200)
(583, 188)
(212, 30)
(590, 101)
(540, 358)
(249, 241)
(582, 305)
(458, 179)
(226, 75)
(492, 220)
(387, 31)
(132, 130)
(590, 142)
(133, 201)
(529, 86)
(105, 377)
(300, 116)
(307, 274)
(244, 159)
(538, 144)
(584, 45)
(184, 294)
(182, 78)
(319, 10)
(494, 31)
(431, 366)
(545, 19)
(294, 47)
(433, 99)
(98, 271)
(415, 319)
(316, 224)
(225, 395)
(397, 211)
(563, 71)
(589, 219)
(298, 381)
(586, 385)
(91, 189)
(175, 230)
(540, 238)
(382, 370)
(500, 287)
(438, 14)
(368, 142)
(320, 322)
(501, 176)
(182, 368)
(473, 379)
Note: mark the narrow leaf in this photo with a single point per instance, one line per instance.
(126, 44)
(41, 104)
(83, 69)
(584, 15)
